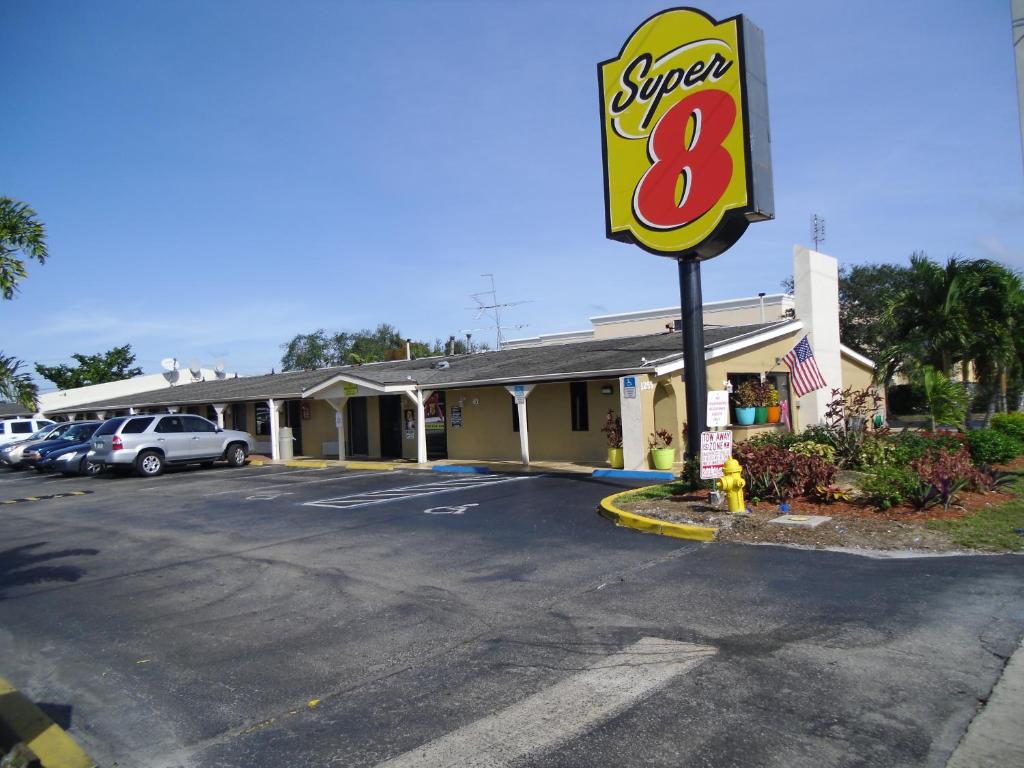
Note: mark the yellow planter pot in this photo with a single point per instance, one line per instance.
(615, 459)
(663, 458)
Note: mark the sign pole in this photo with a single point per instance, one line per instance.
(694, 372)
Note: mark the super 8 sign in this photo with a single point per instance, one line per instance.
(684, 114)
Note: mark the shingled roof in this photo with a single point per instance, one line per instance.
(596, 358)
(13, 410)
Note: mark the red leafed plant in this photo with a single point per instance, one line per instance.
(777, 474)
(660, 439)
(942, 474)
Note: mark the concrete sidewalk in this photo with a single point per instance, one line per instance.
(995, 738)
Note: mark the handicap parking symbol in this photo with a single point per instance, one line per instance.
(457, 510)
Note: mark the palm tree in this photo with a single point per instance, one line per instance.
(21, 234)
(22, 237)
(927, 319)
(16, 387)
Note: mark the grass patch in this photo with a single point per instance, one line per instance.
(992, 529)
(663, 491)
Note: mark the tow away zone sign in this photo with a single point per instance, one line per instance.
(715, 448)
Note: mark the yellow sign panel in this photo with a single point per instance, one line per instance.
(676, 138)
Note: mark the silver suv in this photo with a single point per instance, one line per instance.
(149, 442)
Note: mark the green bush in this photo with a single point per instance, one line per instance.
(774, 439)
(988, 446)
(825, 452)
(912, 444)
(877, 451)
(890, 486)
(1011, 424)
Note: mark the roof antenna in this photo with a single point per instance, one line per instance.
(492, 309)
(817, 231)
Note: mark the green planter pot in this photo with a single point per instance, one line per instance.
(615, 460)
(745, 416)
(663, 458)
(761, 414)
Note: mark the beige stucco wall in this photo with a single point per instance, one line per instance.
(741, 315)
(487, 423)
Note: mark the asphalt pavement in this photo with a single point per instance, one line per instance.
(278, 616)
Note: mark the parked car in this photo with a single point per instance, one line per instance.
(73, 460)
(81, 432)
(148, 443)
(19, 429)
(11, 453)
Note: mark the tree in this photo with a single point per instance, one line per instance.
(946, 400)
(113, 365)
(926, 322)
(22, 236)
(15, 386)
(320, 349)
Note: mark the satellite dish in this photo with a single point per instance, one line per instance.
(194, 369)
(171, 376)
(169, 364)
(219, 370)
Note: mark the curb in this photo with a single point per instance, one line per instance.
(649, 525)
(634, 474)
(27, 723)
(307, 463)
(462, 469)
(371, 465)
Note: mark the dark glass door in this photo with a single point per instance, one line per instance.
(358, 434)
(390, 408)
(437, 427)
(293, 410)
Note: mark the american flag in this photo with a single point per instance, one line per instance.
(802, 368)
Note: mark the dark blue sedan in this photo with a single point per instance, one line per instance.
(76, 435)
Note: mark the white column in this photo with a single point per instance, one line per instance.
(131, 411)
(173, 408)
(219, 408)
(101, 415)
(338, 404)
(72, 416)
(418, 399)
(634, 451)
(816, 295)
(519, 393)
(275, 448)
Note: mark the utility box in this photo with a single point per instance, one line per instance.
(285, 443)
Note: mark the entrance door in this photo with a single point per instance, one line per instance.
(358, 435)
(390, 407)
(436, 426)
(294, 420)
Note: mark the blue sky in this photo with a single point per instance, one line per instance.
(219, 176)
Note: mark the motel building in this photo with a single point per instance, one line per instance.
(541, 399)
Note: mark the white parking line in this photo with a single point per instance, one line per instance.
(557, 715)
(332, 479)
(411, 492)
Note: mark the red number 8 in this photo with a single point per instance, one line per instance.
(705, 164)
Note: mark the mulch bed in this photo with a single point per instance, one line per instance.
(853, 525)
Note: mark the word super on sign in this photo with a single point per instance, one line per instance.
(685, 134)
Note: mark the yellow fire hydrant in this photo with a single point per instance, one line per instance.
(733, 484)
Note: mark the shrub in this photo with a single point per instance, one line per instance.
(912, 444)
(776, 474)
(890, 486)
(942, 475)
(825, 452)
(1011, 424)
(877, 450)
(776, 439)
(988, 446)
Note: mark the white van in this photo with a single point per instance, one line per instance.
(19, 429)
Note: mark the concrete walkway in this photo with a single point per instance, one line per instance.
(995, 738)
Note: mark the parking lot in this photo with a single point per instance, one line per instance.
(269, 616)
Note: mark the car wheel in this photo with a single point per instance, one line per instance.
(236, 454)
(90, 468)
(149, 464)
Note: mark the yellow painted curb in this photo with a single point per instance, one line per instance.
(306, 463)
(369, 465)
(29, 724)
(257, 462)
(650, 524)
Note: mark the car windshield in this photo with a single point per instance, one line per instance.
(80, 432)
(41, 433)
(58, 432)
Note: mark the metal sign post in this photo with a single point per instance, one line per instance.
(695, 376)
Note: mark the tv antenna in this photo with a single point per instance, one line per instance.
(487, 306)
(817, 230)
